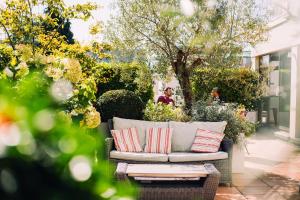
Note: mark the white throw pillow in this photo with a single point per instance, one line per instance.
(184, 133)
(158, 140)
(127, 140)
(120, 123)
(207, 141)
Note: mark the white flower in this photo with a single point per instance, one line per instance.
(187, 7)
(62, 90)
(8, 72)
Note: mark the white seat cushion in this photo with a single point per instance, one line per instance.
(190, 157)
(184, 133)
(120, 123)
(153, 157)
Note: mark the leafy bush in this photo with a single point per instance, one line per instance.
(42, 152)
(161, 113)
(129, 76)
(238, 85)
(120, 103)
(236, 123)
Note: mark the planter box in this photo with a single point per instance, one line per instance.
(238, 155)
(252, 116)
(238, 159)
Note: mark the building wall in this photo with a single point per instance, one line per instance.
(284, 33)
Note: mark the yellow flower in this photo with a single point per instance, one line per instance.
(91, 118)
(53, 72)
(25, 52)
(73, 70)
(42, 59)
(65, 117)
(23, 70)
(50, 59)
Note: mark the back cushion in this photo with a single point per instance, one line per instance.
(120, 123)
(184, 133)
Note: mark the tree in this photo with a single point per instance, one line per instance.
(64, 30)
(211, 34)
(31, 47)
(28, 27)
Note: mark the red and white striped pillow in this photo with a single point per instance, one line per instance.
(158, 140)
(207, 141)
(127, 140)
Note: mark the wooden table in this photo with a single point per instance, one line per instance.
(172, 181)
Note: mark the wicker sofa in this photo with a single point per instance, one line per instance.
(182, 139)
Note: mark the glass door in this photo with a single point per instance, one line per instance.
(284, 90)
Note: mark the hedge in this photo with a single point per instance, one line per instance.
(129, 76)
(120, 103)
(237, 85)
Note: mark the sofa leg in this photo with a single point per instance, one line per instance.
(225, 184)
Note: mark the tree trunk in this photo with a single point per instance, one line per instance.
(183, 76)
(185, 84)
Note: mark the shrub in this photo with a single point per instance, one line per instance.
(129, 76)
(43, 149)
(236, 123)
(120, 103)
(161, 113)
(238, 85)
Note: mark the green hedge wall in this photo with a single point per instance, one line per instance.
(237, 85)
(120, 103)
(129, 76)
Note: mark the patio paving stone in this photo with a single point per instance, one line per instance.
(270, 173)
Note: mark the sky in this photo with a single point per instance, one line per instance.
(80, 28)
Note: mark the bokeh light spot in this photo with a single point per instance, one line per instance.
(67, 145)
(108, 193)
(43, 120)
(80, 168)
(8, 181)
(10, 134)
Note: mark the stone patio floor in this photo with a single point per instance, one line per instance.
(272, 170)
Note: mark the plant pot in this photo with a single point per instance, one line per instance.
(238, 159)
(238, 155)
(252, 116)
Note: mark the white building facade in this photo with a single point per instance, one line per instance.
(280, 57)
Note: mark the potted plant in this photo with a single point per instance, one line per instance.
(238, 127)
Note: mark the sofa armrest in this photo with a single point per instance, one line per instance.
(227, 145)
(109, 144)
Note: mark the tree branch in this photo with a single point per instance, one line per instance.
(9, 36)
(31, 28)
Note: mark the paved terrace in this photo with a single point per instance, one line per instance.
(272, 171)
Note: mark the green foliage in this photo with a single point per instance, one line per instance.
(44, 156)
(120, 103)
(159, 32)
(237, 85)
(6, 55)
(62, 25)
(236, 123)
(161, 113)
(129, 76)
(29, 28)
(41, 41)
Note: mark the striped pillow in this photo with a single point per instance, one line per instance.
(127, 140)
(158, 140)
(207, 141)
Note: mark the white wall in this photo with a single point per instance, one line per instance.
(285, 33)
